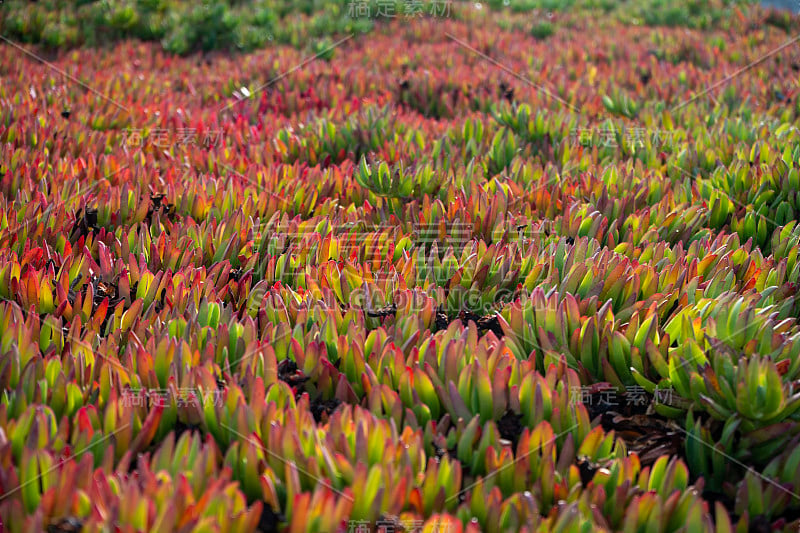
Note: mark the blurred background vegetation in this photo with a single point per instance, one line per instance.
(185, 27)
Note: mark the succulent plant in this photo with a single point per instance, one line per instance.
(390, 285)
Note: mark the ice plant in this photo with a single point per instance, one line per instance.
(395, 285)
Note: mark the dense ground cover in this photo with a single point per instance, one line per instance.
(481, 270)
